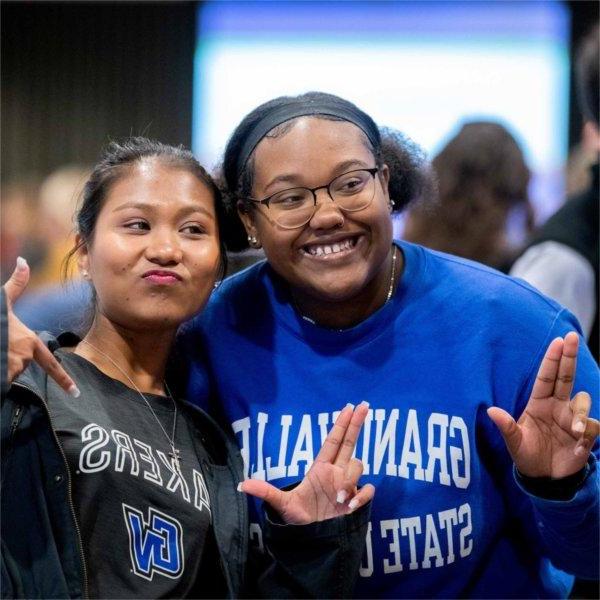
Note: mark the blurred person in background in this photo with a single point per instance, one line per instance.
(55, 299)
(58, 197)
(562, 258)
(19, 235)
(482, 179)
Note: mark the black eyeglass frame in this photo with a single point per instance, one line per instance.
(373, 171)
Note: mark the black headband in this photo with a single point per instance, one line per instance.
(303, 108)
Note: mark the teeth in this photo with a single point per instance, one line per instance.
(325, 249)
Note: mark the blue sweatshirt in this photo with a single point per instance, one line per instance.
(448, 519)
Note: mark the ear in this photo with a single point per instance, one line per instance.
(83, 258)
(384, 178)
(247, 219)
(384, 174)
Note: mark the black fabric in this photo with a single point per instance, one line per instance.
(3, 337)
(42, 555)
(303, 108)
(122, 474)
(562, 489)
(576, 225)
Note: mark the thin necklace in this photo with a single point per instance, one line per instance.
(174, 454)
(392, 276)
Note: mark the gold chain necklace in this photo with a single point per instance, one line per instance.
(174, 454)
(392, 276)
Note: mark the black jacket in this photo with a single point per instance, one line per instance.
(42, 554)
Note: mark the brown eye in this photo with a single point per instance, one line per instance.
(138, 225)
(193, 229)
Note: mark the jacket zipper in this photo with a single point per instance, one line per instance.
(15, 423)
(69, 487)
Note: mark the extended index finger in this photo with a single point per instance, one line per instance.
(46, 360)
(566, 369)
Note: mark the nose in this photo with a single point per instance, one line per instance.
(328, 214)
(163, 248)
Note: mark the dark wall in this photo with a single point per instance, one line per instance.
(76, 74)
(584, 14)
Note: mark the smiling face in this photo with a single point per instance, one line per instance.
(337, 256)
(155, 254)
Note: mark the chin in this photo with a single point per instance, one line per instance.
(336, 292)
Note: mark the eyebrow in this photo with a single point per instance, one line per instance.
(339, 169)
(184, 211)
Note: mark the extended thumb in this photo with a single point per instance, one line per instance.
(18, 280)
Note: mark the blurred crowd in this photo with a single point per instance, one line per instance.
(37, 223)
(481, 196)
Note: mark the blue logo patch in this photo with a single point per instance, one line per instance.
(155, 544)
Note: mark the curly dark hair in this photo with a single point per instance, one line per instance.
(408, 176)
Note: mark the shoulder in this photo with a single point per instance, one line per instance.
(480, 285)
(488, 299)
(235, 297)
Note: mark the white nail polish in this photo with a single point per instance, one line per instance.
(579, 427)
(21, 263)
(341, 496)
(239, 487)
(353, 504)
(74, 391)
(349, 405)
(365, 403)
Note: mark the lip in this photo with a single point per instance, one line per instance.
(162, 277)
(330, 240)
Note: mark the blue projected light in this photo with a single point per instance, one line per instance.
(421, 67)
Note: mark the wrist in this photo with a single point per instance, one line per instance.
(548, 488)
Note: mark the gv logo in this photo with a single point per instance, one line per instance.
(155, 545)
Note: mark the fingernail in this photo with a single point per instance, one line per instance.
(74, 391)
(239, 487)
(580, 450)
(353, 504)
(579, 426)
(341, 496)
(365, 403)
(21, 263)
(349, 405)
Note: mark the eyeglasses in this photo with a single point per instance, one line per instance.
(295, 207)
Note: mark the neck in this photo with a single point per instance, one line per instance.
(352, 311)
(140, 356)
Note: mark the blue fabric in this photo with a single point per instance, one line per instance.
(448, 517)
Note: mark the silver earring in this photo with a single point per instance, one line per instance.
(85, 274)
(391, 205)
(253, 241)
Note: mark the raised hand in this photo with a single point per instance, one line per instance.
(329, 489)
(554, 435)
(23, 344)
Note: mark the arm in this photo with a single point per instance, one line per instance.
(550, 445)
(315, 531)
